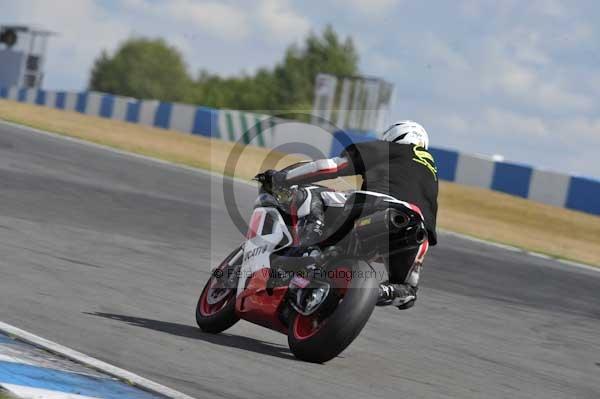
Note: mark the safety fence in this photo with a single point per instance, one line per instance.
(573, 192)
(223, 124)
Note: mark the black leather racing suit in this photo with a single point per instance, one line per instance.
(404, 171)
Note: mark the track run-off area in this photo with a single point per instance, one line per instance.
(106, 253)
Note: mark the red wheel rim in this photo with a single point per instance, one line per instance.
(305, 327)
(207, 309)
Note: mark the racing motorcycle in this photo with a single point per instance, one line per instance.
(321, 296)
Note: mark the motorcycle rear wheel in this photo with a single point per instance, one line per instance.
(318, 340)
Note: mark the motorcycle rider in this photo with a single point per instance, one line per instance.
(397, 165)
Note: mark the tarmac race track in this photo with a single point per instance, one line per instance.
(107, 254)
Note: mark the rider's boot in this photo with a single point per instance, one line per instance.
(402, 290)
(403, 296)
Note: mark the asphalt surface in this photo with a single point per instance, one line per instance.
(107, 254)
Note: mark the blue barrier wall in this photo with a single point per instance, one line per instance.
(60, 100)
(584, 195)
(577, 193)
(40, 98)
(512, 179)
(81, 102)
(342, 139)
(446, 162)
(22, 95)
(106, 106)
(162, 117)
(206, 122)
(133, 112)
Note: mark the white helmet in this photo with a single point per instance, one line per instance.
(407, 132)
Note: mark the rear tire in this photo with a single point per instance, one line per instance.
(318, 341)
(217, 317)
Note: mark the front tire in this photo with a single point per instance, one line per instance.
(215, 311)
(316, 339)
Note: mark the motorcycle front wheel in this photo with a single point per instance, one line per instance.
(215, 311)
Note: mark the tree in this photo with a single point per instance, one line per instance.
(326, 54)
(142, 68)
(145, 68)
(290, 85)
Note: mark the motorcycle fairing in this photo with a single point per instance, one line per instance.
(267, 233)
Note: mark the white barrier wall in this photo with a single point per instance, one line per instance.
(51, 98)
(549, 187)
(120, 107)
(182, 117)
(92, 106)
(13, 93)
(474, 171)
(232, 126)
(70, 101)
(147, 110)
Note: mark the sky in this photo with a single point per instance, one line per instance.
(516, 78)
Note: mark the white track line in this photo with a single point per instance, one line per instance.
(219, 175)
(91, 362)
(521, 250)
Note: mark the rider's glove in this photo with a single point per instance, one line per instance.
(276, 178)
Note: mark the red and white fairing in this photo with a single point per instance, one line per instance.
(267, 233)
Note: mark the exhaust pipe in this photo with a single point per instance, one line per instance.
(420, 235)
(399, 220)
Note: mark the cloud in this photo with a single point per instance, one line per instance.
(504, 73)
(581, 130)
(491, 121)
(551, 8)
(283, 23)
(221, 20)
(511, 123)
(369, 7)
(456, 123)
(577, 137)
(382, 64)
(439, 52)
(234, 21)
(525, 45)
